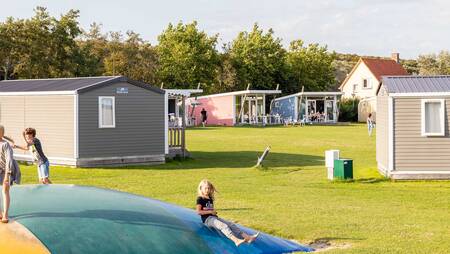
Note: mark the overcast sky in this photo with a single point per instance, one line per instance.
(365, 27)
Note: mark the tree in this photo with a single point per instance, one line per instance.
(65, 55)
(40, 47)
(132, 57)
(11, 46)
(428, 64)
(187, 56)
(433, 64)
(258, 58)
(36, 59)
(311, 67)
(410, 65)
(93, 49)
(226, 76)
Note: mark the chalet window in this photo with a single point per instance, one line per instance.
(355, 86)
(433, 117)
(106, 112)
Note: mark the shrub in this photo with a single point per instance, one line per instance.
(348, 110)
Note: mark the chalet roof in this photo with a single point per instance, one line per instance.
(417, 84)
(69, 85)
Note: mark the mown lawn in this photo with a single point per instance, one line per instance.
(291, 197)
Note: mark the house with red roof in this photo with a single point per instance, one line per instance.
(364, 80)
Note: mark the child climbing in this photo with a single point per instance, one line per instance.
(205, 208)
(35, 145)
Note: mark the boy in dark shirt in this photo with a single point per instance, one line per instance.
(35, 146)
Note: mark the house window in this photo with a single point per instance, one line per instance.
(106, 112)
(366, 83)
(433, 117)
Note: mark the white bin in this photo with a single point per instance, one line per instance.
(330, 156)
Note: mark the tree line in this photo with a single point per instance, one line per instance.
(48, 47)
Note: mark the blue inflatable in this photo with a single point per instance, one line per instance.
(88, 220)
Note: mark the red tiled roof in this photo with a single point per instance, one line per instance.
(384, 67)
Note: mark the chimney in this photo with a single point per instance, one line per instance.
(395, 57)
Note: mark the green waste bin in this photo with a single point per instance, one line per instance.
(343, 169)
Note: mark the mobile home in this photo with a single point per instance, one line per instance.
(234, 108)
(308, 107)
(88, 122)
(413, 134)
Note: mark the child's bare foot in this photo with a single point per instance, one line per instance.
(250, 238)
(239, 242)
(253, 237)
(4, 219)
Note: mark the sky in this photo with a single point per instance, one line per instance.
(364, 27)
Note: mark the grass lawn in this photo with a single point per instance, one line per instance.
(291, 197)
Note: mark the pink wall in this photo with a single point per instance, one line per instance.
(219, 110)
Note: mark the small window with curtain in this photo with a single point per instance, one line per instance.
(106, 112)
(433, 117)
(366, 83)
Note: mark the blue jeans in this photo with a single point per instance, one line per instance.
(44, 170)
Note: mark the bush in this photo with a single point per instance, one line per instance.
(348, 110)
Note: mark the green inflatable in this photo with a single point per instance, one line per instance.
(75, 219)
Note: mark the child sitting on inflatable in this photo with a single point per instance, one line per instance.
(205, 208)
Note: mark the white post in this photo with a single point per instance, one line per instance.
(256, 108)
(295, 118)
(166, 123)
(264, 104)
(233, 110)
(335, 109)
(330, 156)
(391, 165)
(306, 108)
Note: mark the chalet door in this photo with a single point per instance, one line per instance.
(311, 108)
(329, 111)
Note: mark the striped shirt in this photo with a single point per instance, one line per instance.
(6, 158)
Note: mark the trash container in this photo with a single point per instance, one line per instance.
(330, 156)
(343, 169)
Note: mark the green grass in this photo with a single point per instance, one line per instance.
(290, 197)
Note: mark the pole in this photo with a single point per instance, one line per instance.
(183, 128)
(242, 103)
(299, 106)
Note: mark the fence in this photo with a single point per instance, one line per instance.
(176, 138)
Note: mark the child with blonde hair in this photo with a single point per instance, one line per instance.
(205, 208)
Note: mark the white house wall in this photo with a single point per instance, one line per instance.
(361, 72)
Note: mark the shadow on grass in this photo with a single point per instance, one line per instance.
(235, 209)
(370, 180)
(329, 239)
(278, 126)
(234, 159)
